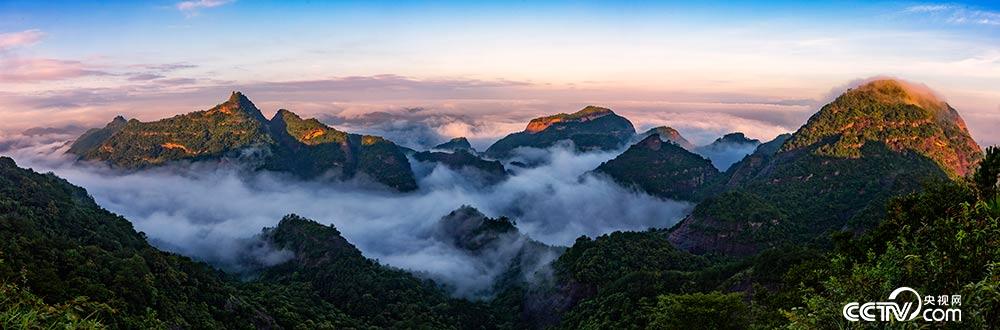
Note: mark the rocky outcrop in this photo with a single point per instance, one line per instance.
(593, 128)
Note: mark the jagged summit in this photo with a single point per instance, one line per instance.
(236, 129)
(281, 113)
(238, 103)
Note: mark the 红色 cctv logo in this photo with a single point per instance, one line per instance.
(905, 304)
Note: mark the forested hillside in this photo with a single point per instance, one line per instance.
(65, 261)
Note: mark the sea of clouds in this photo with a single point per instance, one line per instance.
(210, 212)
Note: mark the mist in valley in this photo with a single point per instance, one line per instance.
(213, 212)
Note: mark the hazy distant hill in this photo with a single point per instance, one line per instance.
(456, 144)
(727, 150)
(668, 134)
(491, 171)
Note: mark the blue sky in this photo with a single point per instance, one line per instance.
(706, 68)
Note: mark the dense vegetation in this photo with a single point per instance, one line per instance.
(592, 128)
(237, 129)
(57, 243)
(20, 309)
(944, 239)
(661, 169)
(66, 261)
(326, 265)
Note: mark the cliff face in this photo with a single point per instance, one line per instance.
(835, 173)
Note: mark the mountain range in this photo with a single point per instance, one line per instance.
(236, 129)
(882, 187)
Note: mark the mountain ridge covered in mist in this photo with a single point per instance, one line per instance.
(66, 249)
(781, 238)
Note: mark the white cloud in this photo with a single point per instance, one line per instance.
(927, 8)
(191, 8)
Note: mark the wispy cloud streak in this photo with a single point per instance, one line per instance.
(18, 70)
(13, 40)
(957, 14)
(192, 8)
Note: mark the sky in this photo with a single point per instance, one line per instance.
(483, 69)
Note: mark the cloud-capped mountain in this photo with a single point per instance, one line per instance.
(835, 173)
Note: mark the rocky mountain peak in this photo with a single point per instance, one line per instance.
(588, 113)
(239, 104)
